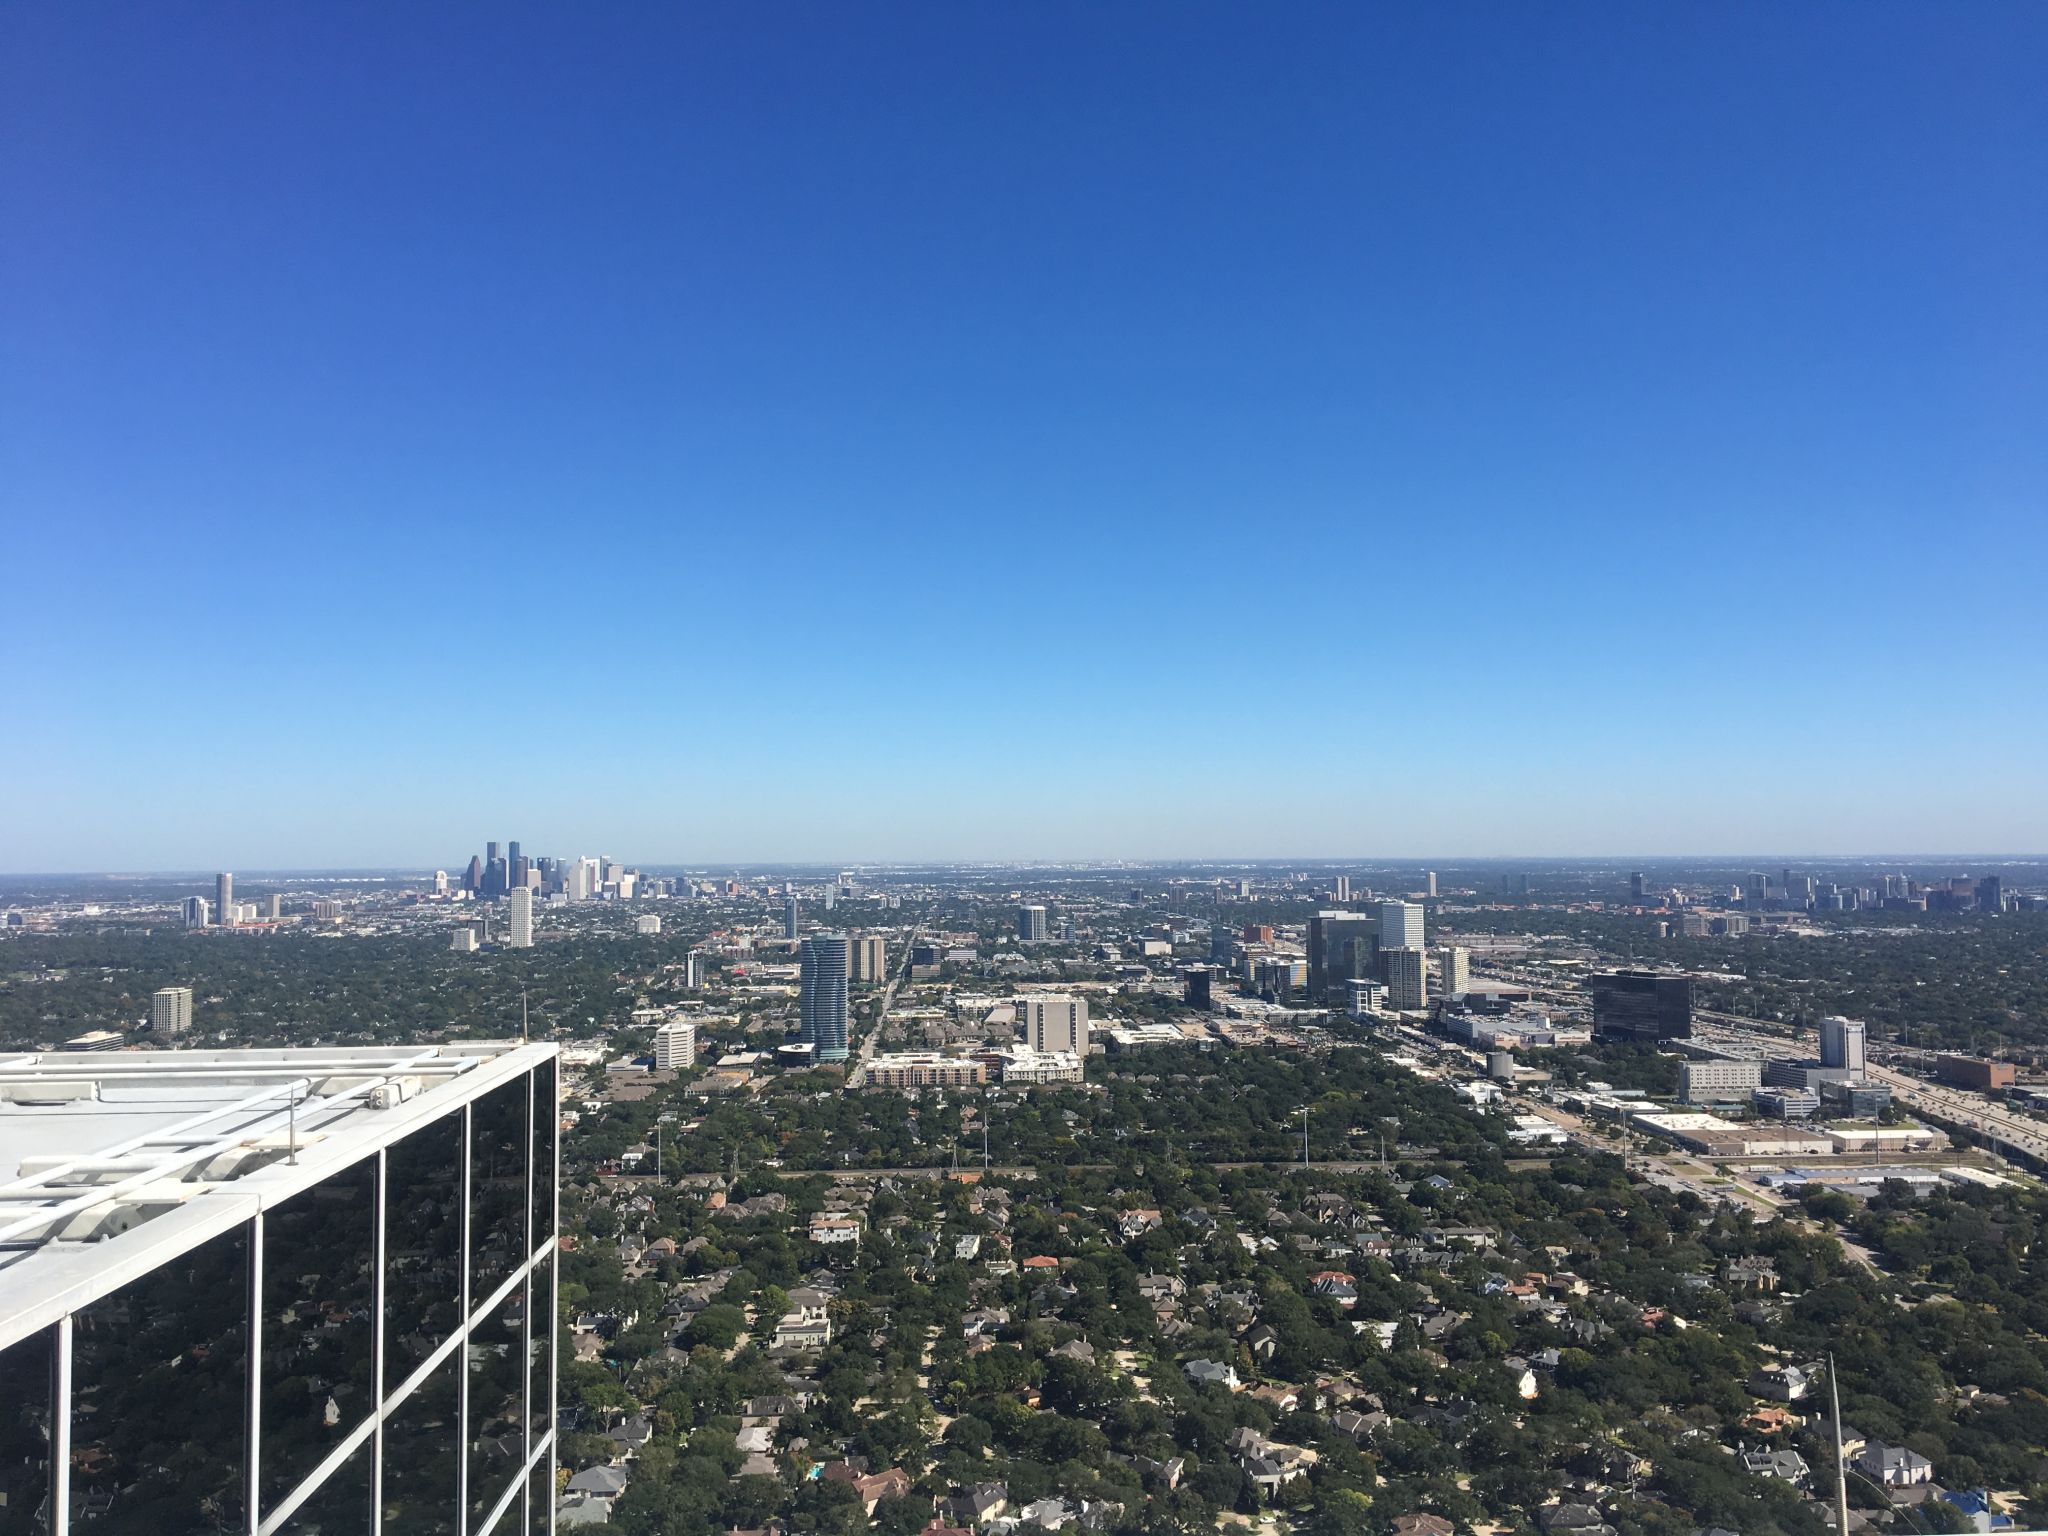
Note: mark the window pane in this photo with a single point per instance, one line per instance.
(25, 1435)
(422, 1245)
(541, 1353)
(318, 1300)
(547, 1118)
(538, 1496)
(159, 1396)
(497, 1404)
(341, 1505)
(501, 1142)
(421, 1439)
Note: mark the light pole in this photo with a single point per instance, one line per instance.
(1304, 1138)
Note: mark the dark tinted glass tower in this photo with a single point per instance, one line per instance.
(822, 993)
(1641, 1005)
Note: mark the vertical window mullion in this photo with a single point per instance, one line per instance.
(377, 1345)
(254, 1439)
(462, 1330)
(60, 1429)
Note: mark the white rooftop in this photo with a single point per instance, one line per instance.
(111, 1160)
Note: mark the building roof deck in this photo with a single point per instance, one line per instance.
(111, 1161)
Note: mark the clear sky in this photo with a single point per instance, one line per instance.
(836, 431)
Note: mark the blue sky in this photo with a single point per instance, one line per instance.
(838, 432)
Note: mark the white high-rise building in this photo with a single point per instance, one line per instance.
(224, 898)
(170, 1013)
(1031, 924)
(651, 923)
(1054, 1022)
(693, 969)
(1343, 891)
(440, 882)
(1400, 925)
(196, 912)
(276, 908)
(1429, 884)
(584, 876)
(520, 903)
(463, 940)
(1407, 979)
(1453, 969)
(675, 1046)
(1842, 1045)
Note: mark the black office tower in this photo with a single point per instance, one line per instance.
(1641, 1005)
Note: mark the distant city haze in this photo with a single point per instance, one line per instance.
(1049, 432)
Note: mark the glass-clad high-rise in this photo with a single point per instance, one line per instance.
(278, 1291)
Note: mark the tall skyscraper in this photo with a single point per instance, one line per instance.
(789, 919)
(276, 907)
(693, 969)
(1757, 890)
(1842, 1045)
(1635, 886)
(195, 911)
(1641, 1005)
(224, 898)
(170, 1012)
(521, 905)
(417, 1217)
(1407, 978)
(1054, 1022)
(1340, 945)
(1454, 970)
(1401, 925)
(1343, 891)
(440, 882)
(822, 1000)
(1991, 894)
(870, 959)
(473, 877)
(1429, 884)
(1031, 924)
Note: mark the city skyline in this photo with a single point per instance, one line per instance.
(1641, 441)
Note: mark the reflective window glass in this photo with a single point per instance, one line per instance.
(319, 1302)
(421, 1440)
(541, 1353)
(497, 1403)
(422, 1245)
(25, 1435)
(160, 1396)
(547, 1119)
(501, 1145)
(538, 1490)
(341, 1506)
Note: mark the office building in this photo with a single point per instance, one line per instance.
(1842, 1045)
(519, 904)
(1641, 1005)
(1757, 891)
(170, 1012)
(822, 1002)
(1857, 1100)
(1991, 894)
(473, 876)
(1198, 987)
(1453, 970)
(648, 925)
(440, 882)
(675, 1046)
(693, 969)
(1407, 979)
(870, 959)
(1031, 924)
(1719, 1082)
(790, 915)
(326, 911)
(1364, 995)
(1054, 1022)
(1220, 945)
(91, 1040)
(274, 906)
(1429, 884)
(1341, 945)
(463, 940)
(195, 912)
(321, 1297)
(1400, 925)
(1636, 884)
(224, 898)
(1343, 890)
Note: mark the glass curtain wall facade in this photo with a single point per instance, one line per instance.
(373, 1354)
